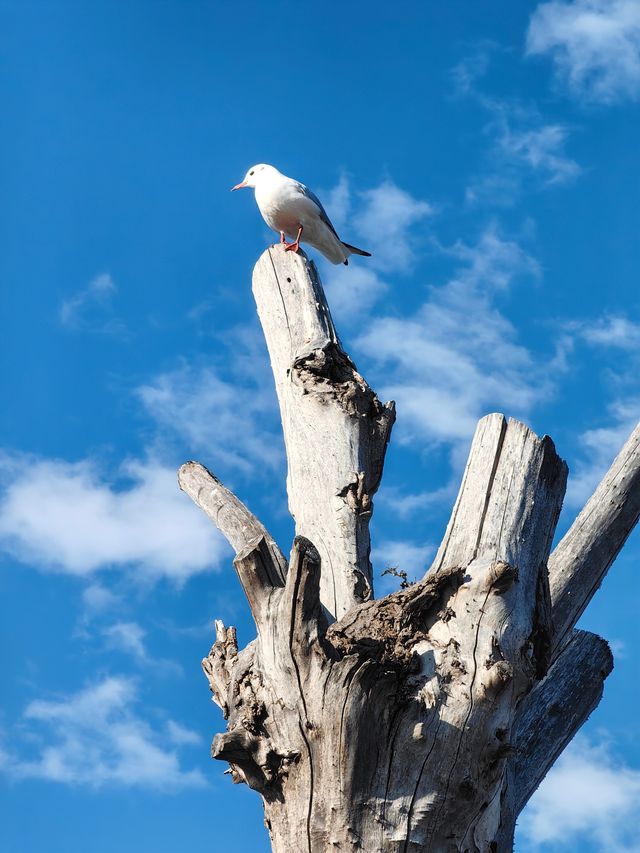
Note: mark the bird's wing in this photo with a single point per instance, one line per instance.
(323, 213)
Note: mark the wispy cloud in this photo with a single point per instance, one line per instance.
(387, 216)
(466, 73)
(610, 331)
(91, 309)
(457, 357)
(97, 737)
(524, 149)
(588, 797)
(353, 291)
(410, 557)
(229, 421)
(391, 223)
(523, 152)
(405, 503)
(541, 148)
(64, 516)
(594, 44)
(97, 598)
(616, 339)
(598, 448)
(127, 637)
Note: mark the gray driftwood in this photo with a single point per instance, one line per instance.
(422, 721)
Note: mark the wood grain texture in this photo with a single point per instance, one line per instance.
(548, 719)
(391, 728)
(584, 555)
(424, 720)
(335, 429)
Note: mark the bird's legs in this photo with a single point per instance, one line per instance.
(282, 237)
(295, 246)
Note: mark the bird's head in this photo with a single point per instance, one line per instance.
(257, 173)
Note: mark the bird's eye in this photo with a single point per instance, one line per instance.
(250, 173)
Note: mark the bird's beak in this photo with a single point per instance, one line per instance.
(239, 186)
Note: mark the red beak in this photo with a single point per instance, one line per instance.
(239, 186)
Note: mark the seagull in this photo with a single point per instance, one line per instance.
(291, 208)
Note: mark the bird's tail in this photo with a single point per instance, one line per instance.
(355, 251)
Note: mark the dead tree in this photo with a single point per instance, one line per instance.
(424, 720)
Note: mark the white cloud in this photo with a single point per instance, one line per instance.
(471, 68)
(91, 309)
(181, 735)
(95, 737)
(389, 223)
(63, 516)
(611, 331)
(595, 45)
(407, 556)
(127, 637)
(384, 217)
(230, 422)
(337, 201)
(97, 598)
(524, 149)
(588, 797)
(541, 148)
(352, 292)
(388, 216)
(410, 558)
(405, 504)
(600, 446)
(457, 357)
(619, 337)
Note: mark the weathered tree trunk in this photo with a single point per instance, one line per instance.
(422, 721)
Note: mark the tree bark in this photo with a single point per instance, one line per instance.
(424, 720)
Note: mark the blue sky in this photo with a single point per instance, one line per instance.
(486, 153)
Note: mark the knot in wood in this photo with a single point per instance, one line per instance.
(355, 494)
(327, 371)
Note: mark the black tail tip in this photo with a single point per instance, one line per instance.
(357, 251)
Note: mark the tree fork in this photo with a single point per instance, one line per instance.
(424, 720)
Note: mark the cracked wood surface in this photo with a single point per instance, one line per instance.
(584, 555)
(335, 429)
(424, 720)
(370, 732)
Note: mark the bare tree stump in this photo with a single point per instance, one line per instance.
(422, 721)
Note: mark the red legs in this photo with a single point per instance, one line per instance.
(295, 246)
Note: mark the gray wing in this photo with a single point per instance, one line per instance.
(323, 213)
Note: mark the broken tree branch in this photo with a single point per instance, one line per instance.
(509, 500)
(548, 719)
(581, 560)
(236, 523)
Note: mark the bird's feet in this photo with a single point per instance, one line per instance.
(295, 246)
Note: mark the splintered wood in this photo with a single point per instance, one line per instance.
(422, 721)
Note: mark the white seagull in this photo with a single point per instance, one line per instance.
(291, 208)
